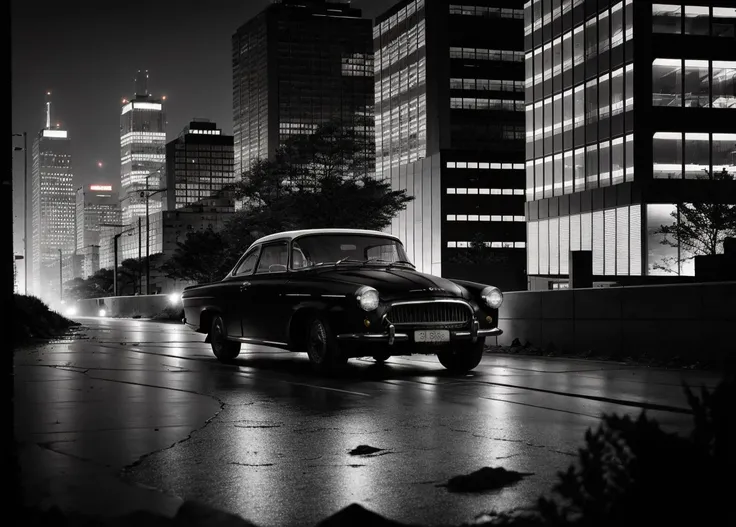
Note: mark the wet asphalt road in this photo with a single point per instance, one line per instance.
(269, 440)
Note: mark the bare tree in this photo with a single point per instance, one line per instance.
(699, 228)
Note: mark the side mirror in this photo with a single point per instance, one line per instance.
(276, 268)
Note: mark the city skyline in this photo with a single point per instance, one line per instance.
(87, 87)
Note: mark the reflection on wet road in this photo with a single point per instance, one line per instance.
(268, 439)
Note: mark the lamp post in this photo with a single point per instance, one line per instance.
(115, 239)
(24, 135)
(147, 194)
(61, 281)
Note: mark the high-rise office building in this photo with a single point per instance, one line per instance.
(142, 149)
(96, 206)
(296, 65)
(630, 109)
(52, 208)
(198, 164)
(450, 129)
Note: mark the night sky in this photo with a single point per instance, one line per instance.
(87, 53)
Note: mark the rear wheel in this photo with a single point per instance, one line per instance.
(225, 350)
(463, 357)
(322, 348)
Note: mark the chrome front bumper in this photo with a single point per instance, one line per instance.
(391, 336)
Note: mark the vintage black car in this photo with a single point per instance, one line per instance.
(341, 293)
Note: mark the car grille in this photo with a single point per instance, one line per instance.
(436, 314)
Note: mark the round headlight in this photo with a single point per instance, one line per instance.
(367, 298)
(102, 313)
(492, 296)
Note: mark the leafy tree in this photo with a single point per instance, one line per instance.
(317, 181)
(699, 227)
(98, 285)
(204, 256)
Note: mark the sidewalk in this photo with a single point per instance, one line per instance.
(72, 447)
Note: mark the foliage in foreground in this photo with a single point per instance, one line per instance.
(631, 472)
(33, 319)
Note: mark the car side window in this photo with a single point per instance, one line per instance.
(273, 259)
(298, 260)
(248, 264)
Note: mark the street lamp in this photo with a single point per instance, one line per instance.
(24, 149)
(115, 239)
(61, 280)
(147, 194)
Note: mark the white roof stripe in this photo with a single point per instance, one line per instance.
(290, 235)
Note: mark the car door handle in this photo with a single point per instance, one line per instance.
(244, 286)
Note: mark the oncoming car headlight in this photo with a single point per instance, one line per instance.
(492, 297)
(367, 298)
(174, 298)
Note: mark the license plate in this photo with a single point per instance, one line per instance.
(432, 336)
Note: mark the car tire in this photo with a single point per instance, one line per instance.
(321, 345)
(225, 350)
(462, 357)
(381, 356)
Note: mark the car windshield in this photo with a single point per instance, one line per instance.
(335, 249)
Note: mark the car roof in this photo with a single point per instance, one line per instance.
(291, 235)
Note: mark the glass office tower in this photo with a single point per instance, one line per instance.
(630, 109)
(449, 84)
(296, 65)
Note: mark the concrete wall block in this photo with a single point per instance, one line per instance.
(718, 301)
(124, 306)
(662, 339)
(526, 330)
(682, 302)
(557, 304)
(559, 333)
(598, 336)
(521, 304)
(598, 303)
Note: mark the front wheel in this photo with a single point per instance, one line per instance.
(381, 356)
(322, 348)
(462, 357)
(225, 350)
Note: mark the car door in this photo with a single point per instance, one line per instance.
(237, 301)
(266, 314)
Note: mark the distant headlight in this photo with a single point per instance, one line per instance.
(71, 311)
(102, 313)
(174, 298)
(492, 296)
(367, 298)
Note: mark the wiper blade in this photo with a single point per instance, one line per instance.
(390, 262)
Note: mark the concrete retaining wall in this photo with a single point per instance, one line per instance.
(687, 320)
(125, 306)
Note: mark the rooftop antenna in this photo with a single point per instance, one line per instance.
(141, 83)
(48, 111)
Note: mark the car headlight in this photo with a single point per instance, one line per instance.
(174, 298)
(492, 297)
(367, 298)
(71, 311)
(102, 313)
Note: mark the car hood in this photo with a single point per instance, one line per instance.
(397, 283)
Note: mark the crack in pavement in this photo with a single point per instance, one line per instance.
(250, 464)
